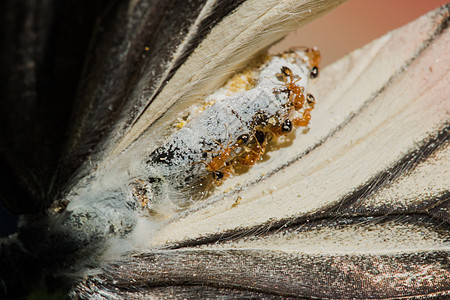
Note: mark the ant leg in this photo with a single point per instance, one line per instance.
(220, 144)
(199, 162)
(211, 151)
(297, 78)
(231, 142)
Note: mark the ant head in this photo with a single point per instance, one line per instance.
(310, 98)
(314, 72)
(260, 136)
(286, 71)
(260, 120)
(286, 127)
(243, 139)
(217, 175)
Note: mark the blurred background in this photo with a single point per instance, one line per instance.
(350, 26)
(354, 24)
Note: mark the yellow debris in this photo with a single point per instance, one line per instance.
(180, 124)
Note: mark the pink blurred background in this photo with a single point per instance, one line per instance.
(355, 23)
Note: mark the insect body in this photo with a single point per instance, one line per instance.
(313, 60)
(306, 116)
(234, 131)
(253, 152)
(297, 99)
(219, 165)
(295, 92)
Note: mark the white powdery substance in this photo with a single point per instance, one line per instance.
(181, 161)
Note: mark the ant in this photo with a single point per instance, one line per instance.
(271, 125)
(222, 173)
(297, 99)
(283, 129)
(218, 175)
(306, 117)
(312, 59)
(220, 166)
(295, 92)
(254, 153)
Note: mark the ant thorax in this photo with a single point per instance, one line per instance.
(211, 143)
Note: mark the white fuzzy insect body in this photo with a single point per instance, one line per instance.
(180, 161)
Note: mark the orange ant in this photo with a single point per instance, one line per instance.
(270, 126)
(220, 166)
(306, 117)
(297, 99)
(218, 175)
(222, 173)
(312, 59)
(284, 129)
(252, 154)
(295, 92)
